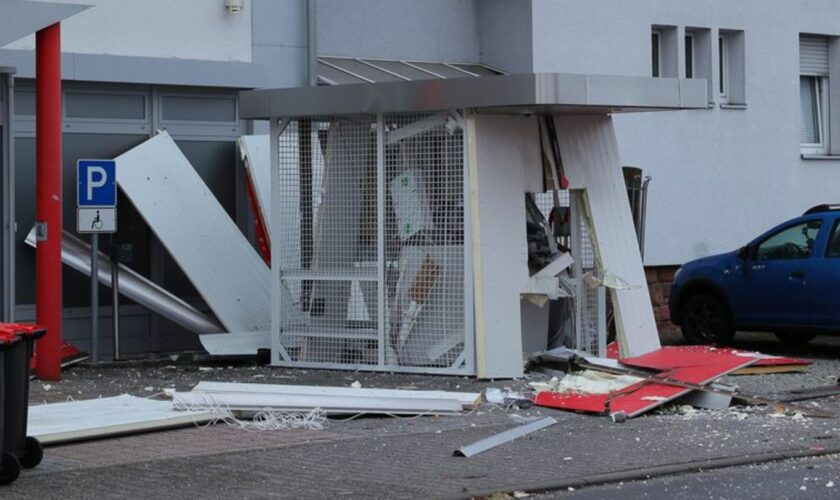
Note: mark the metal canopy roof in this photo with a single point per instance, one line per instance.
(344, 70)
(527, 93)
(19, 18)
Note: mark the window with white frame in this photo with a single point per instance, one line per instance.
(813, 94)
(689, 55)
(664, 51)
(732, 78)
(723, 67)
(655, 52)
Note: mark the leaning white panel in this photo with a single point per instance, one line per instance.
(255, 154)
(58, 423)
(197, 232)
(591, 162)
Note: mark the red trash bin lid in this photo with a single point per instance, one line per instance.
(7, 339)
(24, 329)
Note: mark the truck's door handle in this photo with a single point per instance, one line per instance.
(798, 275)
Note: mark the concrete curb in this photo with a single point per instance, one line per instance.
(656, 471)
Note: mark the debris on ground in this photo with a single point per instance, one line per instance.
(625, 388)
(504, 437)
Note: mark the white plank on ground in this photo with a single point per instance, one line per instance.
(197, 231)
(57, 423)
(331, 404)
(467, 399)
(589, 152)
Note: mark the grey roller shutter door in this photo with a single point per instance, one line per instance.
(813, 55)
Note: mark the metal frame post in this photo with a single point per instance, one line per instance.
(7, 308)
(48, 282)
(380, 236)
(576, 238)
(469, 292)
(94, 297)
(115, 298)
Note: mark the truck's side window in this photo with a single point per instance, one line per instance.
(795, 242)
(833, 249)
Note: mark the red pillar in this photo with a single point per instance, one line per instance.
(48, 307)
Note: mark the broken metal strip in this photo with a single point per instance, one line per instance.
(503, 437)
(75, 253)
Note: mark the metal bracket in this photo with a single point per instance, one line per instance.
(41, 231)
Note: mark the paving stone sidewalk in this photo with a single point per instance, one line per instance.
(382, 457)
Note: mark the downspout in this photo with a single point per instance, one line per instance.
(312, 42)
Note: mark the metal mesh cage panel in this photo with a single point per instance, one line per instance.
(371, 243)
(590, 333)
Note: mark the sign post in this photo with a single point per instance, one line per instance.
(96, 200)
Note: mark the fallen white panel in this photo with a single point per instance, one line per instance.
(467, 399)
(254, 150)
(76, 254)
(331, 404)
(235, 344)
(198, 233)
(589, 152)
(57, 423)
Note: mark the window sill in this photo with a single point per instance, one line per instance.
(725, 105)
(819, 157)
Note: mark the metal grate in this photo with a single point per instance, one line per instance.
(371, 243)
(590, 303)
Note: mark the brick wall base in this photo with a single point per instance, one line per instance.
(659, 279)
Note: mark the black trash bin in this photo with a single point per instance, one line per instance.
(9, 464)
(26, 449)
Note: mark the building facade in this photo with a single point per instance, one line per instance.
(766, 148)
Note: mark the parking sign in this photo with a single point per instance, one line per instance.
(96, 183)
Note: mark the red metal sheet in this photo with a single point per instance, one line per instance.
(693, 364)
(763, 359)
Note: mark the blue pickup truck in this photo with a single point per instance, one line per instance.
(786, 281)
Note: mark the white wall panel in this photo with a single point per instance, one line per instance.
(186, 29)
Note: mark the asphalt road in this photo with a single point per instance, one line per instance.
(812, 478)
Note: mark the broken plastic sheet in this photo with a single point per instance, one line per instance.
(57, 423)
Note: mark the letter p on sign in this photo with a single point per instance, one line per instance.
(97, 183)
(96, 178)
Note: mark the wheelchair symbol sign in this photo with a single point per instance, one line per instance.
(96, 220)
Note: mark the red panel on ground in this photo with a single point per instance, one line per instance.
(68, 352)
(763, 359)
(693, 364)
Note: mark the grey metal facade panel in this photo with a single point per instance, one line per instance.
(20, 18)
(526, 93)
(144, 70)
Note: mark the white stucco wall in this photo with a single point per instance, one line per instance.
(720, 176)
(186, 29)
(436, 30)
